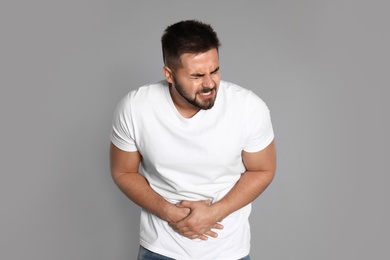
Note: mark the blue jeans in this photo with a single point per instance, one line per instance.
(145, 254)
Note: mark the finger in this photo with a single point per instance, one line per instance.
(184, 204)
(211, 234)
(178, 225)
(203, 237)
(208, 202)
(180, 230)
(218, 226)
(194, 236)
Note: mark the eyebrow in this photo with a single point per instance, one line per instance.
(201, 75)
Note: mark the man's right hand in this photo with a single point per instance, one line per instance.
(175, 214)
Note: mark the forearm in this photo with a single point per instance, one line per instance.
(247, 189)
(205, 217)
(260, 170)
(138, 190)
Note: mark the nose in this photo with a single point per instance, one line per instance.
(208, 82)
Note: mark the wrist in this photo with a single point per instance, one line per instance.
(219, 211)
(166, 210)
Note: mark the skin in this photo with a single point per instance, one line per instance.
(198, 74)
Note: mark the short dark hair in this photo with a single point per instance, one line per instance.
(189, 36)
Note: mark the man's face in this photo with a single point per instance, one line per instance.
(195, 83)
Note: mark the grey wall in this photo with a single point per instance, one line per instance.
(321, 66)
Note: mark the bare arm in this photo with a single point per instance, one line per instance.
(124, 171)
(260, 170)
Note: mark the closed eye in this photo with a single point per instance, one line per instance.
(199, 75)
(196, 76)
(215, 71)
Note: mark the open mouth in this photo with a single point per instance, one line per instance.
(207, 92)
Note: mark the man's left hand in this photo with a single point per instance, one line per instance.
(199, 223)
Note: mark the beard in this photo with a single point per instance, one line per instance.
(204, 104)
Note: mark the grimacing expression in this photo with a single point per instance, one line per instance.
(197, 80)
(203, 99)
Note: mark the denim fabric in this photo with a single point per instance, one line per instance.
(145, 254)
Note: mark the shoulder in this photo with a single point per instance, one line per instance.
(232, 88)
(142, 99)
(149, 93)
(244, 96)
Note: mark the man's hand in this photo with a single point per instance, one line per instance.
(201, 219)
(175, 214)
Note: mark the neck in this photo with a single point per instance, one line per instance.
(185, 109)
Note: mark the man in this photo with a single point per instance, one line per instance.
(193, 151)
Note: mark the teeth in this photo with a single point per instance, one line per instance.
(205, 94)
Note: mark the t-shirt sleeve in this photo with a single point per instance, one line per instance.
(259, 126)
(122, 132)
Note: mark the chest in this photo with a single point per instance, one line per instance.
(212, 141)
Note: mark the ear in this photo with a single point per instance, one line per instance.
(168, 74)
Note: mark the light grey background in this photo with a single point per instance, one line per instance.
(321, 66)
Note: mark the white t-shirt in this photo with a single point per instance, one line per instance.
(194, 158)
